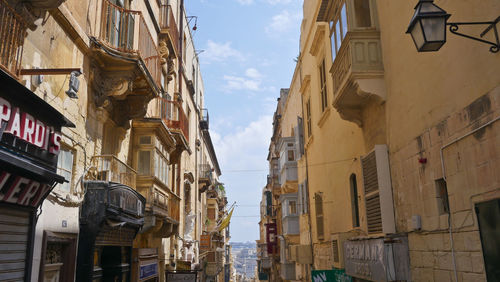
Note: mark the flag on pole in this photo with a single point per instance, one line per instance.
(225, 222)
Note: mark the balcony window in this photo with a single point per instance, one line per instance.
(318, 201)
(362, 13)
(292, 207)
(144, 162)
(338, 30)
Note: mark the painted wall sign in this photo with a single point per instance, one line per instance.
(25, 127)
(272, 244)
(148, 270)
(205, 242)
(23, 191)
(181, 277)
(369, 259)
(335, 275)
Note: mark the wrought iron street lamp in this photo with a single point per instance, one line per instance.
(428, 28)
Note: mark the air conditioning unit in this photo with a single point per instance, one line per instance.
(304, 254)
(378, 191)
(338, 248)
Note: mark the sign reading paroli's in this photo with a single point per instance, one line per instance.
(24, 126)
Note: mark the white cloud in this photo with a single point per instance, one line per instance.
(245, 2)
(283, 22)
(219, 52)
(245, 148)
(253, 73)
(251, 81)
(274, 2)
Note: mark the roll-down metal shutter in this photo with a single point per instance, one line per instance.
(14, 232)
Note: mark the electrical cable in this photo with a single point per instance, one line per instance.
(304, 166)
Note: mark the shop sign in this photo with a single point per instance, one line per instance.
(23, 126)
(205, 242)
(23, 191)
(334, 275)
(368, 259)
(181, 276)
(272, 244)
(149, 270)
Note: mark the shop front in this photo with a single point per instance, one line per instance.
(378, 259)
(30, 135)
(111, 215)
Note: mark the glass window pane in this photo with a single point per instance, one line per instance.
(343, 18)
(337, 33)
(334, 50)
(144, 164)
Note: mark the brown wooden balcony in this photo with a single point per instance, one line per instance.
(110, 168)
(172, 115)
(127, 73)
(12, 33)
(358, 74)
(162, 203)
(168, 26)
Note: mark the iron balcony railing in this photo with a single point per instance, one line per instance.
(118, 31)
(168, 24)
(171, 113)
(206, 172)
(12, 33)
(110, 168)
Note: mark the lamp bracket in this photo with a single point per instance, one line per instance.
(495, 46)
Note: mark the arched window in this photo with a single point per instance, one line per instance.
(354, 200)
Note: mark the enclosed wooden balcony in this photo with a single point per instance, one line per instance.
(172, 114)
(12, 33)
(162, 203)
(168, 26)
(127, 69)
(358, 74)
(109, 168)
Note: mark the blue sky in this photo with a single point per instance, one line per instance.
(249, 47)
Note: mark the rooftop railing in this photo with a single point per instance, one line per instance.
(168, 24)
(171, 113)
(12, 34)
(110, 168)
(118, 31)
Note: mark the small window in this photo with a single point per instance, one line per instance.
(322, 83)
(362, 13)
(308, 116)
(145, 140)
(442, 196)
(65, 168)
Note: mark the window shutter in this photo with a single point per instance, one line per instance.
(373, 213)
(300, 136)
(318, 200)
(301, 201)
(378, 191)
(335, 250)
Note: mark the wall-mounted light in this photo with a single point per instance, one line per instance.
(428, 28)
(195, 27)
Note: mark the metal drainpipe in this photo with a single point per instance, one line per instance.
(444, 178)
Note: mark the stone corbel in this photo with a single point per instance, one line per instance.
(108, 86)
(32, 11)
